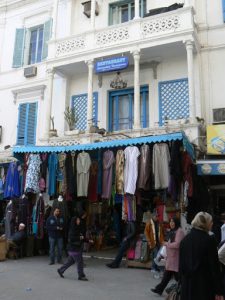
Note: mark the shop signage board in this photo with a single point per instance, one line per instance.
(216, 139)
(111, 64)
(211, 167)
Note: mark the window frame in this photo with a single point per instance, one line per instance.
(118, 4)
(144, 90)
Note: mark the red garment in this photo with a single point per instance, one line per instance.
(160, 210)
(93, 182)
(187, 168)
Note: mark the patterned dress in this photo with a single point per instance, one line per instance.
(108, 160)
(33, 173)
(119, 171)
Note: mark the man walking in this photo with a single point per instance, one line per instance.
(55, 226)
(125, 245)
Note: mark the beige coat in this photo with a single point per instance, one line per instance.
(83, 167)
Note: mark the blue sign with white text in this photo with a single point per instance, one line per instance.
(112, 64)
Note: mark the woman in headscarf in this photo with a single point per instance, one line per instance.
(175, 236)
(199, 264)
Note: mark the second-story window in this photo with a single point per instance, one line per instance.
(36, 45)
(123, 11)
(31, 44)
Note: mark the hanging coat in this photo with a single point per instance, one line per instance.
(12, 184)
(93, 182)
(108, 160)
(52, 169)
(33, 173)
(83, 166)
(144, 168)
(131, 169)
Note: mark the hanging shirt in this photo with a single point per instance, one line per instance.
(119, 171)
(83, 166)
(131, 169)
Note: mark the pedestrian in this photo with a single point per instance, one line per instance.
(55, 226)
(75, 249)
(175, 236)
(199, 264)
(221, 254)
(125, 244)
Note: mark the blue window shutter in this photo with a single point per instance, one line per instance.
(223, 4)
(21, 124)
(31, 124)
(46, 38)
(19, 48)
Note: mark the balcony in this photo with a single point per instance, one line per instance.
(146, 32)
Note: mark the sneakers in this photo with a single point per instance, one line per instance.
(60, 273)
(156, 291)
(83, 278)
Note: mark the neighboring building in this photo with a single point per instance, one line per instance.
(48, 55)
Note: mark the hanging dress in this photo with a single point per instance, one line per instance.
(52, 169)
(119, 172)
(108, 160)
(93, 183)
(161, 160)
(33, 174)
(12, 184)
(83, 166)
(144, 168)
(131, 169)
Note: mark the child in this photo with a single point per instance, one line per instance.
(75, 249)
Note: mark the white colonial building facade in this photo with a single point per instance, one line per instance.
(54, 54)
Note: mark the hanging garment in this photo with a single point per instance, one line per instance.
(38, 218)
(23, 211)
(33, 173)
(119, 172)
(93, 182)
(129, 207)
(8, 220)
(83, 166)
(108, 160)
(70, 165)
(25, 167)
(61, 173)
(99, 172)
(187, 171)
(44, 165)
(161, 160)
(12, 184)
(52, 169)
(131, 169)
(144, 168)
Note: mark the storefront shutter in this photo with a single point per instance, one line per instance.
(19, 48)
(47, 36)
(21, 124)
(31, 124)
(223, 4)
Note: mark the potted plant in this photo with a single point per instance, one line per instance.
(52, 131)
(70, 115)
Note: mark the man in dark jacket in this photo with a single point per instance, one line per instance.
(129, 237)
(55, 226)
(18, 237)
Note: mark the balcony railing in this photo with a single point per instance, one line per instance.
(166, 25)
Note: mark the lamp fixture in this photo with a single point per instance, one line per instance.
(118, 82)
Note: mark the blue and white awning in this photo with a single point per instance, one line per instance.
(110, 144)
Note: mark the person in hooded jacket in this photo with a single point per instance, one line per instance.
(175, 236)
(199, 265)
(76, 239)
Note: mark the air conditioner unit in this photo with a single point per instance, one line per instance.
(218, 115)
(30, 72)
(87, 8)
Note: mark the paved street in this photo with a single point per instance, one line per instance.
(32, 278)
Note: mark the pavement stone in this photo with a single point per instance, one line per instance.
(33, 279)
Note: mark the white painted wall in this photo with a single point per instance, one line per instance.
(209, 63)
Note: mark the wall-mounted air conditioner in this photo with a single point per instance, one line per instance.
(218, 115)
(87, 8)
(30, 72)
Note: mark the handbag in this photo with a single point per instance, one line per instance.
(175, 293)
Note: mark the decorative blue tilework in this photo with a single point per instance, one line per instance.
(173, 100)
(80, 103)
